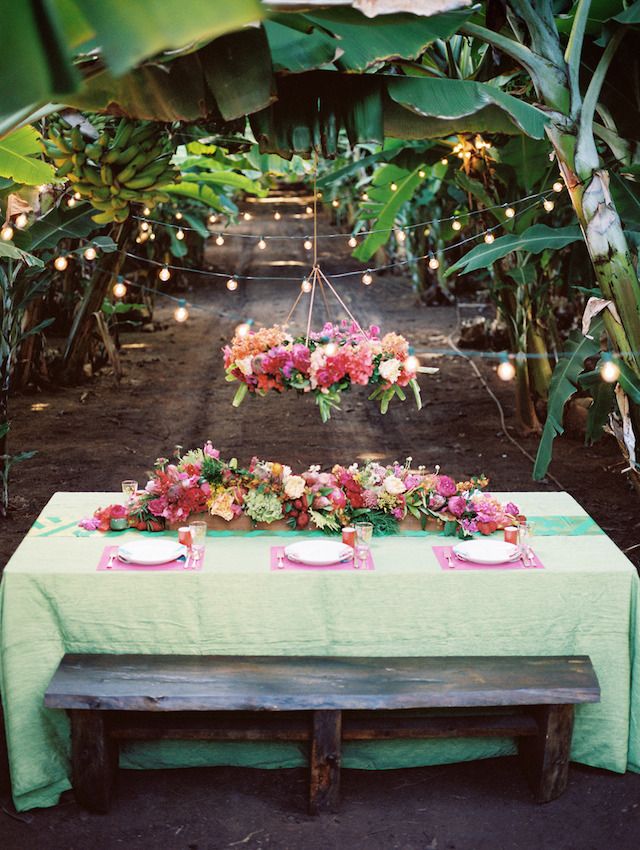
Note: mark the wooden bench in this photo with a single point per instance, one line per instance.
(319, 700)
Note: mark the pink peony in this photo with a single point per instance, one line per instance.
(338, 498)
(446, 486)
(457, 505)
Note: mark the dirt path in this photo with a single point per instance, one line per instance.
(174, 392)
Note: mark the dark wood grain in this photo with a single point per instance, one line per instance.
(545, 758)
(276, 683)
(324, 761)
(94, 760)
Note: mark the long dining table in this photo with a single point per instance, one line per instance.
(54, 600)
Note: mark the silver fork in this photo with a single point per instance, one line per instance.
(111, 560)
(449, 560)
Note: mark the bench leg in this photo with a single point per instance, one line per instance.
(94, 760)
(326, 744)
(545, 758)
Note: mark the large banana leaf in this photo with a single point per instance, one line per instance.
(225, 178)
(203, 194)
(59, 223)
(456, 99)
(534, 239)
(41, 38)
(20, 158)
(296, 50)
(564, 383)
(366, 42)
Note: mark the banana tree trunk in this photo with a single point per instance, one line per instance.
(539, 367)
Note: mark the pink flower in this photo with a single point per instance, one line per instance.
(210, 451)
(457, 505)
(446, 486)
(89, 523)
(511, 509)
(370, 499)
(118, 511)
(436, 501)
(338, 498)
(157, 506)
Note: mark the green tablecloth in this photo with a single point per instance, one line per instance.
(53, 601)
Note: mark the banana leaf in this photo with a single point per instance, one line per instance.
(603, 395)
(534, 239)
(564, 382)
(20, 159)
(59, 223)
(12, 252)
(202, 194)
(297, 51)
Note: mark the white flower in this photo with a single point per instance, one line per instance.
(393, 485)
(294, 486)
(390, 370)
(244, 364)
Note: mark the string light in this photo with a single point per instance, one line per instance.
(164, 274)
(609, 371)
(6, 233)
(71, 202)
(180, 234)
(364, 196)
(306, 285)
(178, 216)
(489, 238)
(336, 203)
(232, 284)
(219, 239)
(456, 225)
(146, 211)
(367, 278)
(422, 174)
(318, 194)
(548, 204)
(434, 263)
(444, 161)
(262, 244)
(213, 218)
(119, 289)
(558, 186)
(400, 236)
(144, 225)
(308, 244)
(247, 216)
(77, 196)
(181, 314)
(509, 212)
(152, 236)
(309, 210)
(277, 215)
(394, 187)
(60, 263)
(22, 221)
(427, 231)
(243, 329)
(352, 242)
(506, 370)
(90, 253)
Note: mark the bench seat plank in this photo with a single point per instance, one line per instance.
(286, 683)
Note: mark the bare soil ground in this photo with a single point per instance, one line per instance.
(174, 392)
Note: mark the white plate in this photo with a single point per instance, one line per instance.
(318, 553)
(150, 552)
(486, 551)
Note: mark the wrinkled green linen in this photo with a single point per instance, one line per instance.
(53, 601)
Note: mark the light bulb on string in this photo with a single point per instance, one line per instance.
(609, 371)
(219, 239)
(6, 233)
(164, 274)
(456, 225)
(506, 371)
(232, 284)
(247, 216)
(422, 174)
(427, 231)
(277, 215)
(400, 236)
(309, 210)
(90, 253)
(243, 329)
(146, 211)
(71, 202)
(180, 234)
(367, 278)
(212, 219)
(152, 236)
(262, 244)
(434, 263)
(364, 196)
(352, 242)
(77, 196)
(144, 225)
(444, 160)
(548, 205)
(318, 194)
(558, 186)
(178, 216)
(394, 187)
(60, 263)
(335, 203)
(119, 289)
(509, 212)
(308, 244)
(306, 285)
(181, 314)
(489, 238)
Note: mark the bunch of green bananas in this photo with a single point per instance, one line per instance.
(127, 163)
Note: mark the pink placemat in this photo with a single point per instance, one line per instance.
(457, 565)
(294, 565)
(119, 566)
